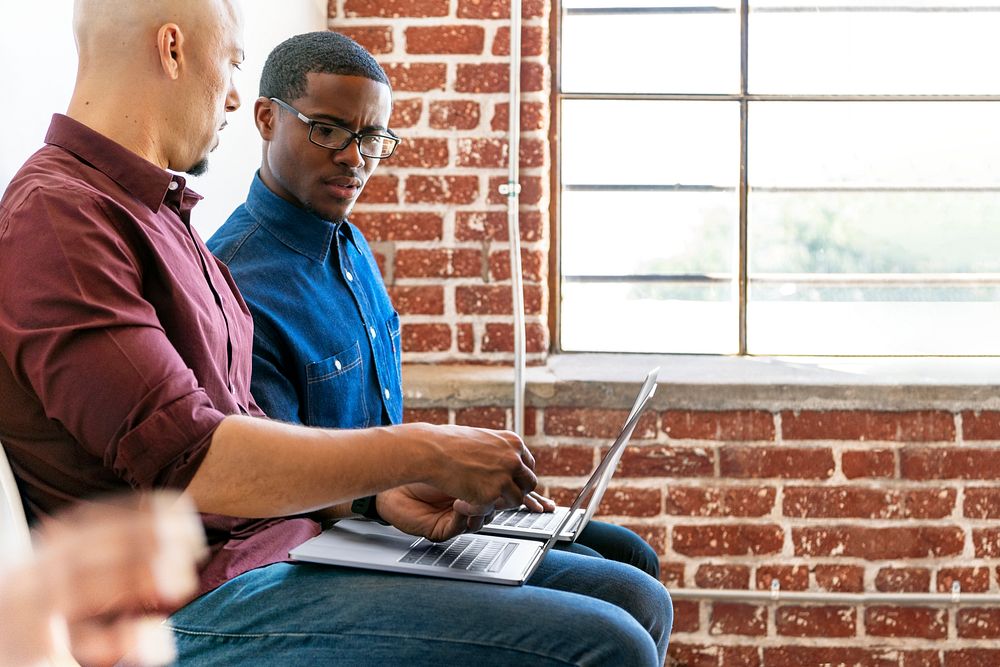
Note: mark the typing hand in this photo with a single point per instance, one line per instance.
(536, 502)
(420, 509)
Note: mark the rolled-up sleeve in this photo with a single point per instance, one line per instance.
(79, 331)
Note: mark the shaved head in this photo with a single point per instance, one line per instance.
(156, 75)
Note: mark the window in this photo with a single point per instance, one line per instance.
(780, 178)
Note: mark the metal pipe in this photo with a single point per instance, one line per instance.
(512, 190)
(955, 597)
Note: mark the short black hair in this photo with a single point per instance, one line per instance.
(326, 52)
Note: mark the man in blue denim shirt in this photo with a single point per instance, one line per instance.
(326, 338)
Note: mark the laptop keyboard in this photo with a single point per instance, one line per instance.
(524, 519)
(465, 552)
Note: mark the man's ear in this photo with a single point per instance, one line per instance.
(170, 49)
(265, 117)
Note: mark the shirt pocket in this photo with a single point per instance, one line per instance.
(335, 391)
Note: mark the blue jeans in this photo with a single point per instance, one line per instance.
(616, 543)
(575, 610)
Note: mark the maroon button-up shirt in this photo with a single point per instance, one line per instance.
(124, 342)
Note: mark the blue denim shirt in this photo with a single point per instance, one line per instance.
(326, 349)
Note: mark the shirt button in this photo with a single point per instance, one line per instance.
(371, 330)
(337, 364)
(386, 394)
(173, 185)
(350, 278)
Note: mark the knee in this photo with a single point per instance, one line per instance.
(611, 636)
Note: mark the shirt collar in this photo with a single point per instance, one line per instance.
(300, 230)
(141, 178)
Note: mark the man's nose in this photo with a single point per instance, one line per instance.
(232, 99)
(350, 155)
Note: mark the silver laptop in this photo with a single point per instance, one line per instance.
(522, 522)
(470, 557)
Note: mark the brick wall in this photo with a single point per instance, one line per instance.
(820, 500)
(432, 212)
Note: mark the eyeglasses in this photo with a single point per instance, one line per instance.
(337, 138)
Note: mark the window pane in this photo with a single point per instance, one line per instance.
(650, 143)
(688, 51)
(903, 144)
(897, 47)
(891, 273)
(623, 318)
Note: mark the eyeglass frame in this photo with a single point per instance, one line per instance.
(355, 137)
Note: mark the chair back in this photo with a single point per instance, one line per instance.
(15, 540)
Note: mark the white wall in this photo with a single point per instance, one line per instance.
(38, 66)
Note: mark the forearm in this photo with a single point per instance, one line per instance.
(262, 468)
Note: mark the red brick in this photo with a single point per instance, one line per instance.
(393, 8)
(923, 658)
(416, 77)
(722, 576)
(532, 41)
(744, 656)
(727, 540)
(878, 543)
(454, 115)
(693, 655)
(972, 657)
(719, 425)
(626, 501)
(913, 426)
(981, 425)
(903, 580)
(531, 190)
(972, 579)
(495, 299)
(986, 542)
(482, 417)
(659, 461)
(376, 39)
(442, 189)
(380, 261)
(928, 503)
(533, 116)
(493, 153)
(500, 337)
(534, 265)
(495, 77)
(686, 616)
(840, 578)
(654, 536)
(593, 422)
(429, 415)
(406, 112)
(564, 460)
(398, 226)
(418, 299)
(738, 619)
(868, 463)
(719, 501)
(530, 417)
(818, 621)
(782, 462)
(380, 189)
(923, 622)
(452, 39)
(492, 225)
(672, 574)
(949, 463)
(466, 337)
(790, 577)
(982, 503)
(801, 656)
(438, 262)
(812, 502)
(421, 153)
(977, 623)
(426, 338)
(498, 9)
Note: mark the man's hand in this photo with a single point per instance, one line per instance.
(536, 502)
(480, 466)
(420, 509)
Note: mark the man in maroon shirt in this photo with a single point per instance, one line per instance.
(126, 363)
